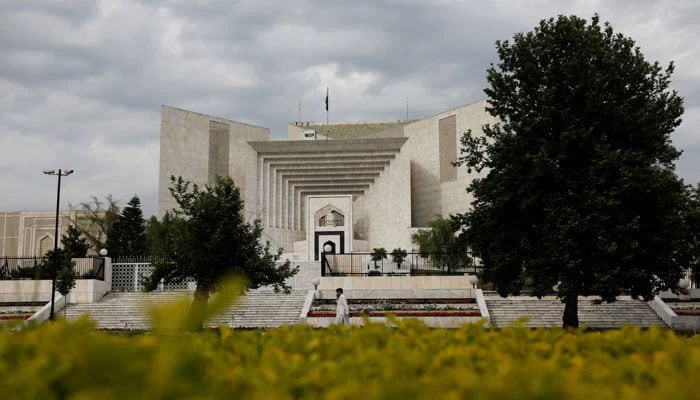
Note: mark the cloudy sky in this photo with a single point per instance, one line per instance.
(81, 82)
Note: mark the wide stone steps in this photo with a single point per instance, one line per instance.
(548, 312)
(129, 310)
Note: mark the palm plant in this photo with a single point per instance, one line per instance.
(378, 254)
(398, 255)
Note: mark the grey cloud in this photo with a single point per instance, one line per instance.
(83, 82)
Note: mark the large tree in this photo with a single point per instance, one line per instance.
(578, 186)
(127, 236)
(209, 239)
(95, 219)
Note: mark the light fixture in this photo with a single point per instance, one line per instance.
(60, 174)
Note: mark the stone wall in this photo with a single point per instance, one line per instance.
(387, 206)
(191, 147)
(435, 191)
(31, 233)
(436, 282)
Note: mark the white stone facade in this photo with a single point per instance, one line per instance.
(385, 179)
(31, 233)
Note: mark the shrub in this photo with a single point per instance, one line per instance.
(72, 360)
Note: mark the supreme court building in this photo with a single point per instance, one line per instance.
(353, 186)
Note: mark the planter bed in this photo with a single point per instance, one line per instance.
(422, 307)
(687, 312)
(401, 301)
(684, 307)
(417, 313)
(23, 303)
(6, 317)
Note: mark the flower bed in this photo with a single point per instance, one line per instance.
(684, 307)
(10, 316)
(447, 313)
(423, 306)
(687, 312)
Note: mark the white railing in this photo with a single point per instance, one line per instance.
(131, 276)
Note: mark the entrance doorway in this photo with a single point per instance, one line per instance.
(336, 239)
(328, 247)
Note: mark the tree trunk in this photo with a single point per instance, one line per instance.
(195, 319)
(571, 311)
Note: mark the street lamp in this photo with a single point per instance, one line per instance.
(60, 173)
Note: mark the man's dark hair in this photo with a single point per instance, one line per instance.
(339, 290)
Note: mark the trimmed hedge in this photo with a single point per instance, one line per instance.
(73, 360)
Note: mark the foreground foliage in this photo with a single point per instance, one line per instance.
(63, 360)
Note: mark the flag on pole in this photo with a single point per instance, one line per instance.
(326, 99)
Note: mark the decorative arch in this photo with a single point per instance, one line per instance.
(329, 216)
(44, 244)
(332, 247)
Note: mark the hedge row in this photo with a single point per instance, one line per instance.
(73, 360)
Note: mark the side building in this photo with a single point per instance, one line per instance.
(352, 186)
(31, 233)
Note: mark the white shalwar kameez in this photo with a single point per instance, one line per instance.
(342, 311)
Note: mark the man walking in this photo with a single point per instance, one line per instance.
(342, 311)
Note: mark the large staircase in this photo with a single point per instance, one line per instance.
(129, 310)
(546, 312)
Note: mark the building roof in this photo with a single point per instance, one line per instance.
(293, 147)
(348, 130)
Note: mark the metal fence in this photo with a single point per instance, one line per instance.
(367, 264)
(40, 268)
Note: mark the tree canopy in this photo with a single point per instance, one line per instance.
(96, 218)
(442, 245)
(127, 235)
(74, 245)
(578, 185)
(208, 239)
(158, 237)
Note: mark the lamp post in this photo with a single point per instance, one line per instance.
(60, 173)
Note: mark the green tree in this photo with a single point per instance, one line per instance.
(209, 239)
(95, 219)
(157, 236)
(441, 244)
(579, 185)
(127, 236)
(65, 280)
(45, 270)
(74, 245)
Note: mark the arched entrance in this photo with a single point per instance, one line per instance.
(328, 245)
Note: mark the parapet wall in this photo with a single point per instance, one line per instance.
(395, 282)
